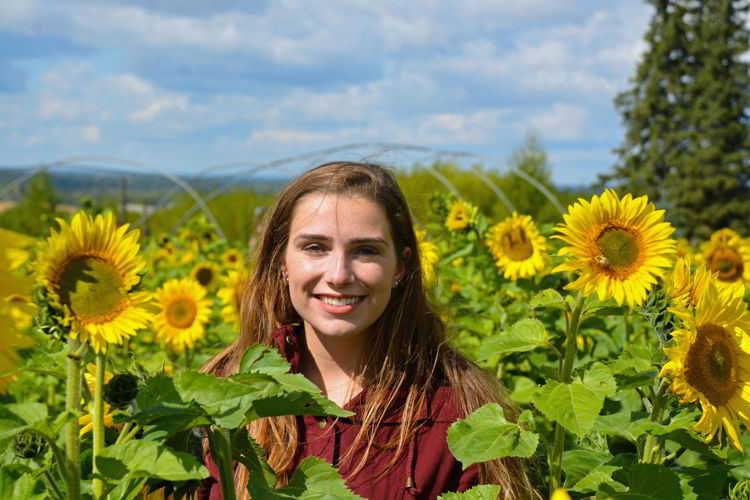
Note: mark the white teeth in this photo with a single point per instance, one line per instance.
(339, 302)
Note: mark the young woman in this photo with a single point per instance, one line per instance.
(338, 289)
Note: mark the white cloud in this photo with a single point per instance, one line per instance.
(562, 121)
(91, 133)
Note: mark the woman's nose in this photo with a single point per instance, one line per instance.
(339, 270)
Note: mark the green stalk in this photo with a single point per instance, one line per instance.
(555, 457)
(98, 421)
(52, 485)
(652, 448)
(221, 451)
(73, 403)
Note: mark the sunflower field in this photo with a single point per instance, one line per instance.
(626, 351)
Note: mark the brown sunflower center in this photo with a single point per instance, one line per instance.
(232, 258)
(205, 276)
(727, 262)
(92, 288)
(181, 313)
(516, 244)
(618, 247)
(710, 365)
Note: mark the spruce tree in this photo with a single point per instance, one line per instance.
(654, 108)
(686, 143)
(710, 188)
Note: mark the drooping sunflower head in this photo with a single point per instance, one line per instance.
(685, 287)
(518, 248)
(710, 360)
(617, 246)
(462, 215)
(89, 268)
(428, 255)
(232, 258)
(728, 255)
(231, 297)
(183, 313)
(206, 274)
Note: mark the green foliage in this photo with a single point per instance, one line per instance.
(479, 492)
(486, 435)
(34, 214)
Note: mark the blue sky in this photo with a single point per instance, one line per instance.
(183, 85)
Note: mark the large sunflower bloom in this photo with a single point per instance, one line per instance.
(428, 258)
(684, 287)
(729, 255)
(231, 297)
(518, 248)
(461, 215)
(618, 246)
(184, 312)
(89, 268)
(710, 361)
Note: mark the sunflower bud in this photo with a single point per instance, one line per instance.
(121, 390)
(28, 445)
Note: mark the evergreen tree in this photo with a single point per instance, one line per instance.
(710, 189)
(686, 143)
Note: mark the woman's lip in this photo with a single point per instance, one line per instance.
(332, 296)
(331, 309)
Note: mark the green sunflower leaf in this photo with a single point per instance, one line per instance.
(548, 297)
(140, 458)
(479, 492)
(648, 482)
(573, 405)
(523, 336)
(486, 435)
(314, 479)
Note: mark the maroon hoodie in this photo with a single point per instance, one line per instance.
(426, 470)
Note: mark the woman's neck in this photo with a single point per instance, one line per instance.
(332, 364)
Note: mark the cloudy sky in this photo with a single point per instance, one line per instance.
(188, 84)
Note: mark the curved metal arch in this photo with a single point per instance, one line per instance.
(80, 161)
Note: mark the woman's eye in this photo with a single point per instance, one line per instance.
(368, 251)
(314, 248)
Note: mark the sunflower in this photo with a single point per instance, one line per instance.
(729, 255)
(231, 297)
(184, 312)
(710, 360)
(232, 258)
(89, 268)
(16, 308)
(461, 215)
(206, 274)
(618, 246)
(685, 287)
(428, 258)
(518, 248)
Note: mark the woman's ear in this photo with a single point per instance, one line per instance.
(405, 255)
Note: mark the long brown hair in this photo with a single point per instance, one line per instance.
(408, 353)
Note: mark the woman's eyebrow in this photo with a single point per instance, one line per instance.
(322, 237)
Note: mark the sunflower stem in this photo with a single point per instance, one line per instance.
(131, 434)
(52, 485)
(73, 404)
(555, 457)
(652, 448)
(98, 439)
(123, 432)
(221, 451)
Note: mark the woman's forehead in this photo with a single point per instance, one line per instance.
(339, 215)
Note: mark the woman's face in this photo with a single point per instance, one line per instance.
(341, 263)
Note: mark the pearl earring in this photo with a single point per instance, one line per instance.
(396, 283)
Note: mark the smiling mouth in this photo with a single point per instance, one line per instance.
(339, 301)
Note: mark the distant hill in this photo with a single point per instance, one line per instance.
(73, 184)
